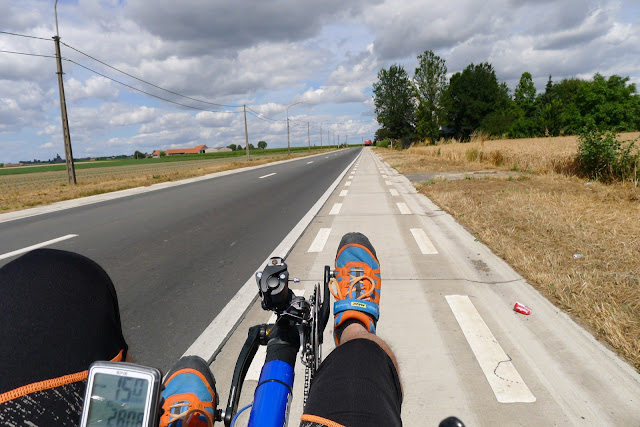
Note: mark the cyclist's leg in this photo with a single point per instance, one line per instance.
(358, 383)
(59, 313)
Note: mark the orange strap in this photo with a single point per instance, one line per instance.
(319, 420)
(48, 384)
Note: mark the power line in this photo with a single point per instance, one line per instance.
(263, 116)
(147, 93)
(24, 35)
(149, 83)
(263, 119)
(27, 54)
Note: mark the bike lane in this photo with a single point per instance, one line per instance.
(447, 312)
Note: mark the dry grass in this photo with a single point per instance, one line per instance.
(539, 223)
(539, 155)
(29, 190)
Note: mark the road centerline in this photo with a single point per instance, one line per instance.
(265, 176)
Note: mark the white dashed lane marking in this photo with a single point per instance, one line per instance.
(394, 192)
(425, 245)
(348, 183)
(343, 193)
(265, 176)
(39, 245)
(504, 379)
(321, 239)
(404, 209)
(335, 210)
(389, 182)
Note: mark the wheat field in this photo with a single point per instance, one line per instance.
(540, 220)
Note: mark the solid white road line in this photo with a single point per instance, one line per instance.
(321, 239)
(404, 209)
(253, 374)
(335, 210)
(211, 340)
(264, 176)
(343, 193)
(348, 183)
(394, 192)
(389, 182)
(39, 245)
(425, 245)
(504, 379)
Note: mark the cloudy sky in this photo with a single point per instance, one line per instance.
(269, 54)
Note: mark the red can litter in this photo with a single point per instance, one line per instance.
(522, 309)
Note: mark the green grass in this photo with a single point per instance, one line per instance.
(166, 159)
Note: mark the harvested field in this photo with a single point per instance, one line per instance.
(33, 189)
(540, 220)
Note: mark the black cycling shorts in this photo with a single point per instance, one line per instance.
(58, 314)
(357, 385)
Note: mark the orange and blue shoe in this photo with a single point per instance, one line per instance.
(357, 283)
(189, 395)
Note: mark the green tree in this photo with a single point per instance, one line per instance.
(473, 95)
(549, 111)
(394, 107)
(232, 147)
(525, 95)
(162, 154)
(139, 155)
(430, 84)
(262, 145)
(609, 104)
(566, 92)
(251, 147)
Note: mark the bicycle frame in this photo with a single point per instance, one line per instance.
(297, 320)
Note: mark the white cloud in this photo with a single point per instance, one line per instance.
(95, 87)
(234, 53)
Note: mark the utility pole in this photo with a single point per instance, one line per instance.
(309, 136)
(321, 135)
(71, 171)
(288, 143)
(246, 132)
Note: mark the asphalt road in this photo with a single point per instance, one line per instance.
(178, 255)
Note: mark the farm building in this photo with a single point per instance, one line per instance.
(217, 149)
(198, 149)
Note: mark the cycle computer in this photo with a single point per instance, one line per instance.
(121, 394)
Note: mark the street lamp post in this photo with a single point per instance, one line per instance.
(288, 141)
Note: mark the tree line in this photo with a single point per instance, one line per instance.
(429, 106)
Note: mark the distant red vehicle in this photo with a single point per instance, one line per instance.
(368, 142)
